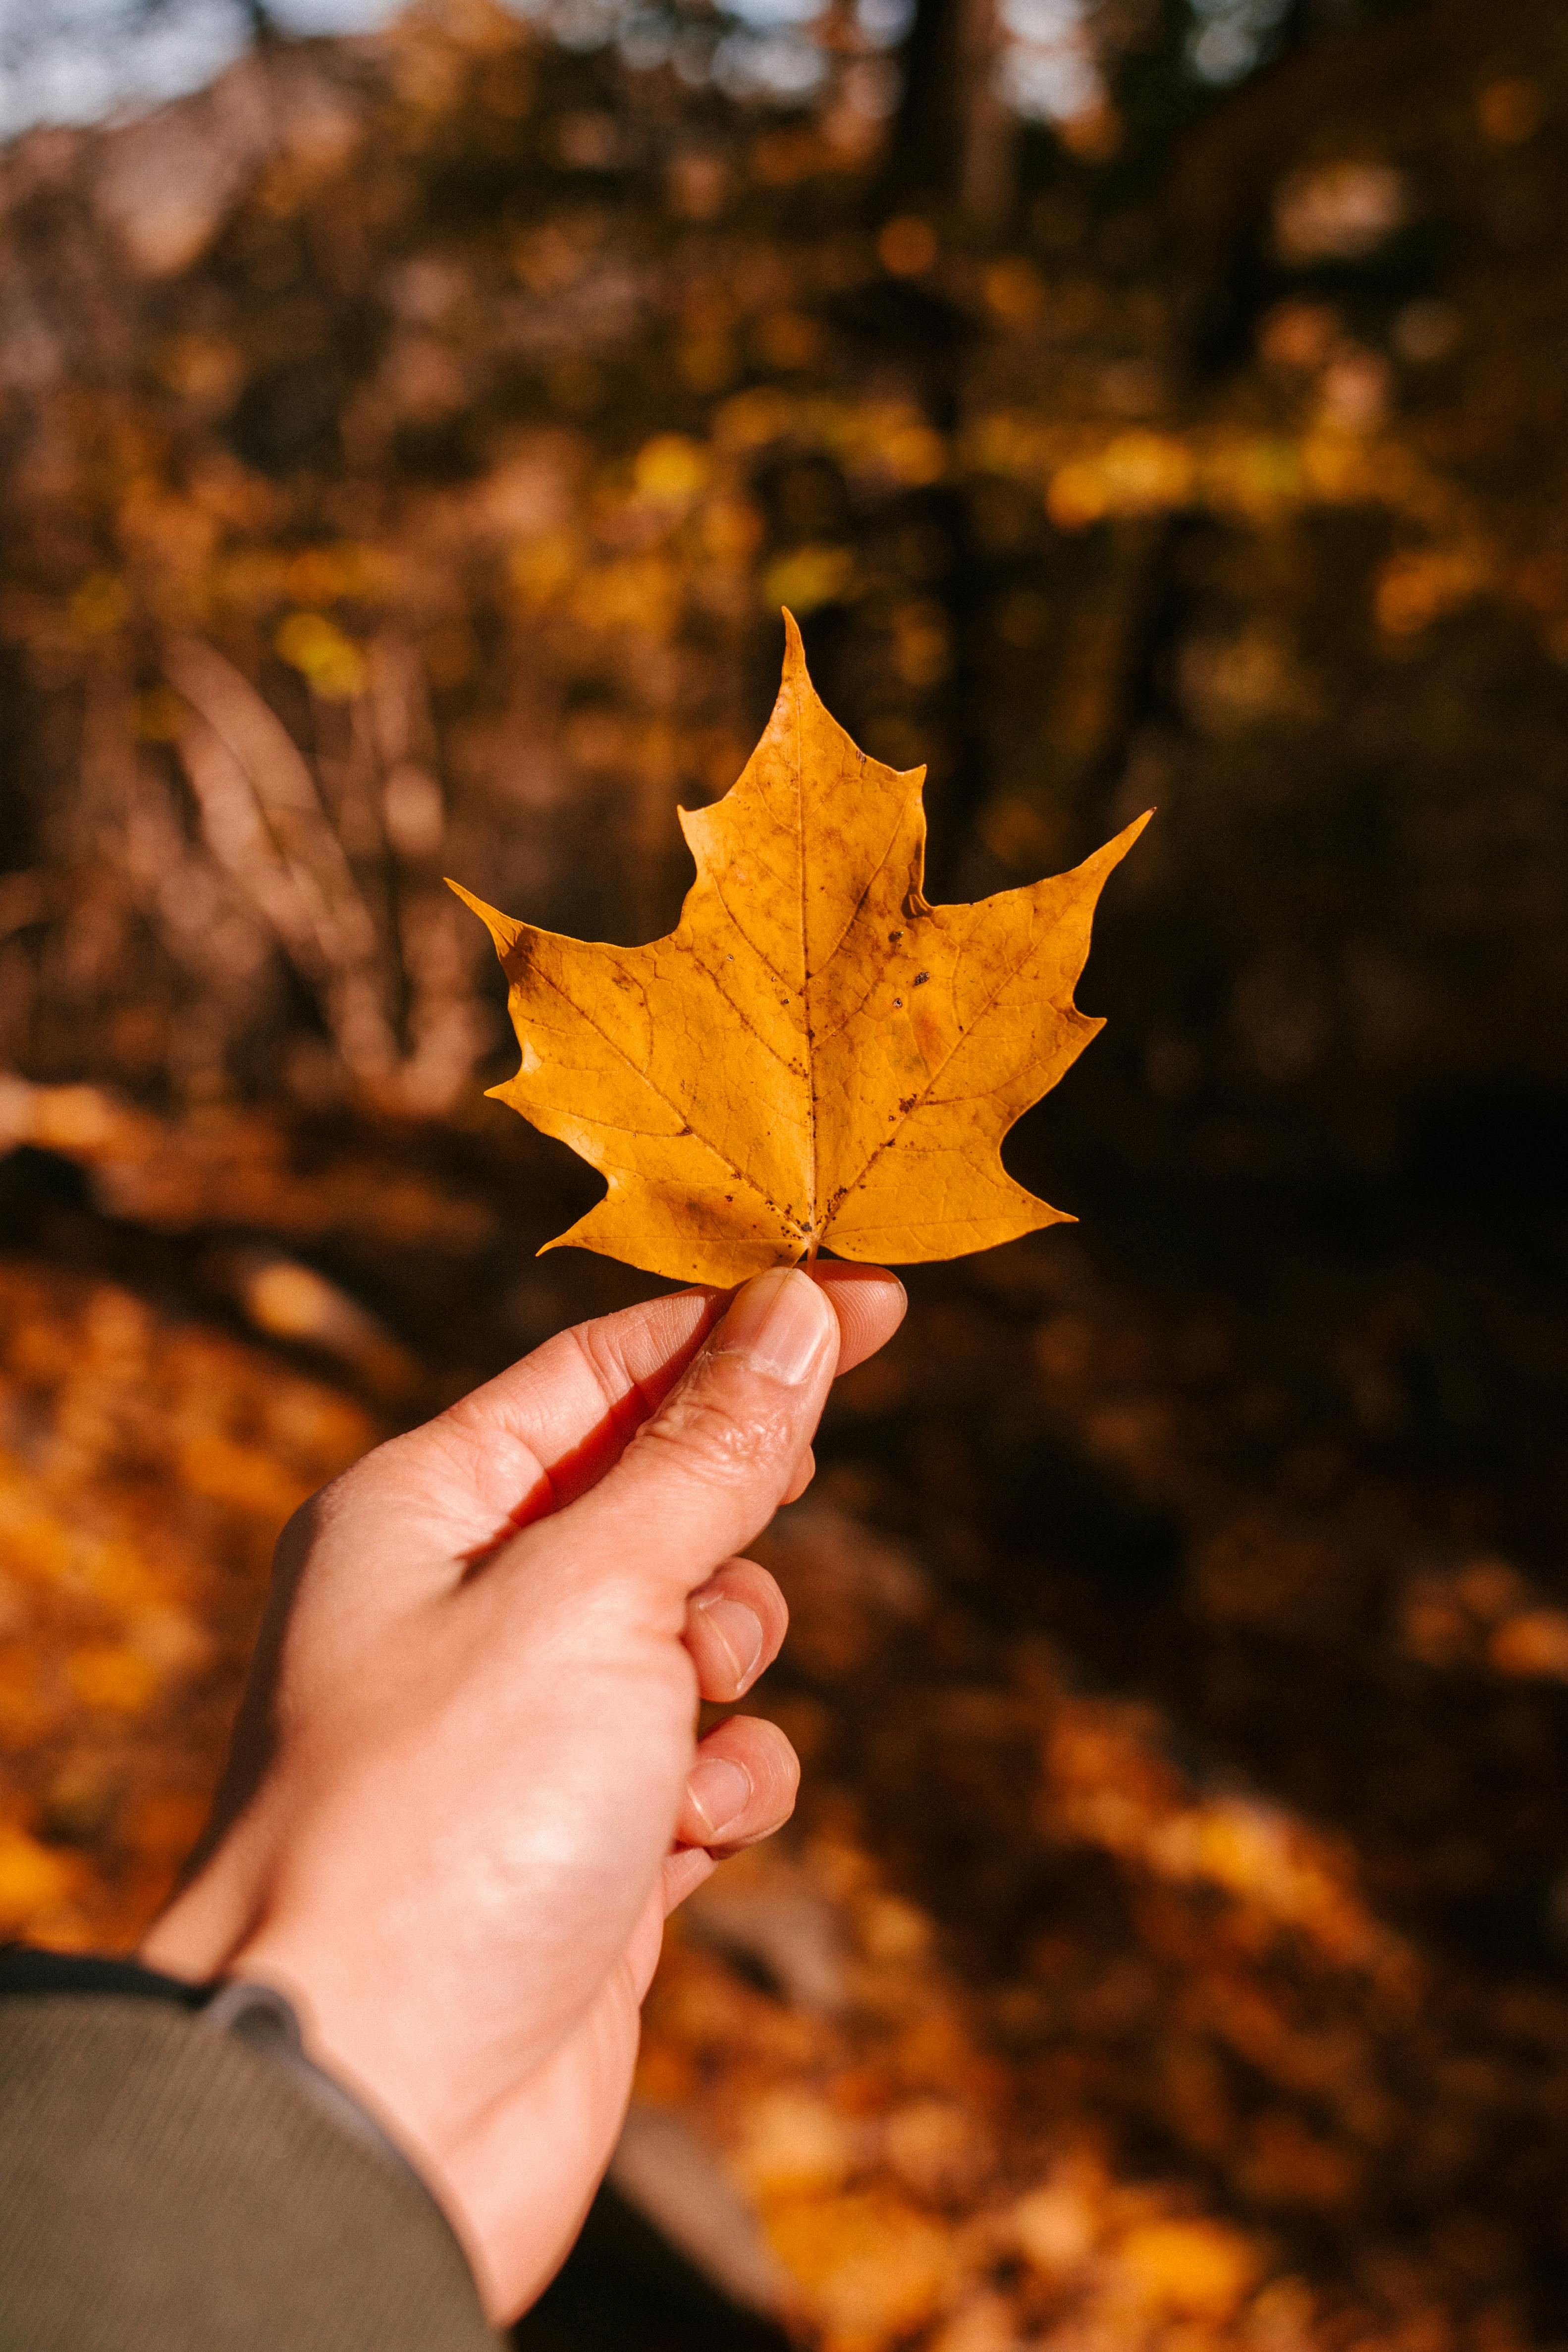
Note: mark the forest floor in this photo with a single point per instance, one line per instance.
(1168, 1948)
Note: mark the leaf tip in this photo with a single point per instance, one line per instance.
(794, 670)
(504, 931)
(1097, 867)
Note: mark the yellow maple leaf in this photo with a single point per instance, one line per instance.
(814, 1058)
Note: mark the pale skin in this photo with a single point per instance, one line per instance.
(466, 1789)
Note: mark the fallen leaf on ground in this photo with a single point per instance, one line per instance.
(815, 1057)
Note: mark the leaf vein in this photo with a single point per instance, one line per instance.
(874, 876)
(763, 957)
(806, 973)
(919, 1100)
(670, 1104)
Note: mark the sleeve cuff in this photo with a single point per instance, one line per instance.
(168, 2187)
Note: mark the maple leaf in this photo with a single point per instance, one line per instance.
(814, 1058)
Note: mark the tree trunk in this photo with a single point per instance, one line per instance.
(952, 140)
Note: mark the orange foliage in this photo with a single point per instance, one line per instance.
(145, 1467)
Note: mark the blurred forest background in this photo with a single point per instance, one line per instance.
(406, 444)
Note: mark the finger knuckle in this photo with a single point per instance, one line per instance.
(701, 1428)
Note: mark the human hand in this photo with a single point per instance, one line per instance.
(465, 1787)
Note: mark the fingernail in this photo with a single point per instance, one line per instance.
(739, 1633)
(719, 1794)
(781, 1323)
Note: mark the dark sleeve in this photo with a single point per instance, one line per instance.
(167, 2189)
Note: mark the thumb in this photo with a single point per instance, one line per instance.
(706, 1472)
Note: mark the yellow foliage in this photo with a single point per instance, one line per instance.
(316, 647)
(26, 1712)
(873, 2267)
(1056, 2227)
(892, 1929)
(1195, 2269)
(323, 575)
(1417, 588)
(916, 454)
(112, 1678)
(542, 568)
(671, 469)
(795, 2145)
(809, 576)
(1135, 474)
(118, 1575)
(38, 1550)
(816, 1057)
(151, 1466)
(1111, 1788)
(217, 1466)
(752, 418)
